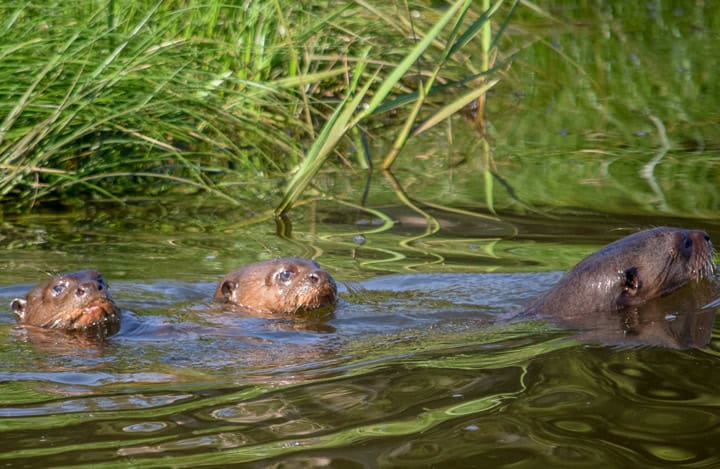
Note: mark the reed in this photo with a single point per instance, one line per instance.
(106, 99)
(118, 98)
(349, 114)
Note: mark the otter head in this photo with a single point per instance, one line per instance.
(278, 286)
(630, 271)
(73, 301)
(654, 263)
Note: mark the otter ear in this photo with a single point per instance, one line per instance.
(632, 281)
(227, 288)
(18, 306)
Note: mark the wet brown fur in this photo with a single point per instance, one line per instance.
(73, 301)
(278, 286)
(628, 272)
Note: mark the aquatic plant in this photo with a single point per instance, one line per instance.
(122, 98)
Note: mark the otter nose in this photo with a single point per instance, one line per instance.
(319, 276)
(701, 235)
(86, 287)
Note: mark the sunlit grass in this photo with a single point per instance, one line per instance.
(150, 98)
(124, 97)
(350, 114)
(115, 99)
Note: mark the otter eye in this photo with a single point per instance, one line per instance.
(284, 275)
(686, 245)
(58, 288)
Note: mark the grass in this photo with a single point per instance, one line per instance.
(116, 99)
(600, 74)
(113, 99)
(349, 113)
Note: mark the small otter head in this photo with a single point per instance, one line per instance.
(75, 301)
(278, 286)
(630, 271)
(654, 263)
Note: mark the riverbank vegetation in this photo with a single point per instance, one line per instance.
(116, 99)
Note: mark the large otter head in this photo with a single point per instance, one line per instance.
(630, 271)
(74, 301)
(278, 286)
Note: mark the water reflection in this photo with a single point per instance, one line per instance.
(60, 342)
(410, 369)
(684, 319)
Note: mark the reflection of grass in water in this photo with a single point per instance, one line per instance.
(266, 403)
(506, 344)
(140, 243)
(503, 353)
(417, 244)
(432, 226)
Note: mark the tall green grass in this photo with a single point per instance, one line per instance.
(113, 99)
(116, 99)
(154, 97)
(350, 113)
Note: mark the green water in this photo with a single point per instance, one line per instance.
(424, 362)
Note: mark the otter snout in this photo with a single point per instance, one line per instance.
(278, 286)
(319, 276)
(72, 301)
(94, 285)
(319, 279)
(700, 250)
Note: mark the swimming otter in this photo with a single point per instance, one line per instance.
(629, 272)
(278, 286)
(76, 301)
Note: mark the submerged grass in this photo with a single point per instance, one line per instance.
(116, 98)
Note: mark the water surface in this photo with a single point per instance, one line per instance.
(425, 361)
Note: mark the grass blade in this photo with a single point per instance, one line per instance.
(454, 107)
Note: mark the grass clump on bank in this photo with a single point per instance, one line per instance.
(117, 98)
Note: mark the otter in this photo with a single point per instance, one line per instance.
(628, 272)
(75, 301)
(280, 286)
